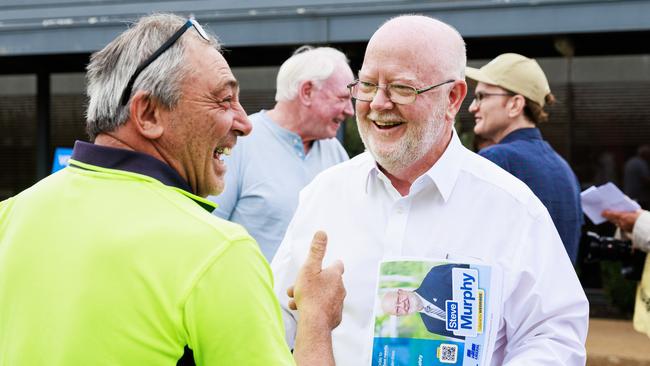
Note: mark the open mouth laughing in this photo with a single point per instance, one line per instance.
(219, 152)
(385, 121)
(385, 125)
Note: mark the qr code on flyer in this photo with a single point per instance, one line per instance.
(447, 353)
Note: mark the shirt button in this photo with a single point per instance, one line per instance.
(400, 210)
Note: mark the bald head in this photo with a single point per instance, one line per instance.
(429, 43)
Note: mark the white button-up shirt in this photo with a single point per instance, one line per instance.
(463, 207)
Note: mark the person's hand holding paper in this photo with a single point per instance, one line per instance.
(595, 200)
(623, 219)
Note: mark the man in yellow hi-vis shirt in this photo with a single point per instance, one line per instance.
(117, 260)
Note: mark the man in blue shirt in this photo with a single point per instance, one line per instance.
(508, 104)
(289, 145)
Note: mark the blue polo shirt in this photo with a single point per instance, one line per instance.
(526, 155)
(264, 176)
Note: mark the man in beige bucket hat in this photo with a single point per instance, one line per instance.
(509, 101)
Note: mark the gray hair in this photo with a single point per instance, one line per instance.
(110, 69)
(307, 63)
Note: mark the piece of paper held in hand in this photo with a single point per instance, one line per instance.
(606, 197)
(435, 312)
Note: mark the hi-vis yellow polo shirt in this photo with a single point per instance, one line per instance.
(112, 261)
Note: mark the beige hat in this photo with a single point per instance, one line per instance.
(516, 73)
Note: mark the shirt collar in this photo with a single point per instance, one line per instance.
(443, 173)
(134, 162)
(289, 137)
(370, 170)
(529, 133)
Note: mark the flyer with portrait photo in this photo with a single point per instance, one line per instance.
(435, 312)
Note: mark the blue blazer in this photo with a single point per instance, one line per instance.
(436, 288)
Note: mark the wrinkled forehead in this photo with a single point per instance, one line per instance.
(207, 65)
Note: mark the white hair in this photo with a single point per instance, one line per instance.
(307, 63)
(110, 69)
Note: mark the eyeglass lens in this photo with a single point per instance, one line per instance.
(399, 94)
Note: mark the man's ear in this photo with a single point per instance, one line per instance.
(455, 98)
(516, 105)
(145, 117)
(306, 92)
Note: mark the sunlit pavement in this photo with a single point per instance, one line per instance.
(615, 342)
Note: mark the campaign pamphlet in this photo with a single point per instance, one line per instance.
(435, 312)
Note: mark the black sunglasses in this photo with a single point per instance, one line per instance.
(126, 94)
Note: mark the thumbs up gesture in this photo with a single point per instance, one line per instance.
(318, 292)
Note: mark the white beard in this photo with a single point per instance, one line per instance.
(411, 147)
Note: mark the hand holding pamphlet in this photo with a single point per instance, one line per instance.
(435, 312)
(595, 200)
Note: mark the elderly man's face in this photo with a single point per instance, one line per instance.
(332, 104)
(207, 120)
(399, 135)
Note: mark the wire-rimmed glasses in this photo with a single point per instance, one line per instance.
(397, 93)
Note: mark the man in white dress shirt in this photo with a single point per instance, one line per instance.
(418, 192)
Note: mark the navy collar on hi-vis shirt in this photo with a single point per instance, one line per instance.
(130, 161)
(134, 162)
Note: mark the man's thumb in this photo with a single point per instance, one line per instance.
(317, 251)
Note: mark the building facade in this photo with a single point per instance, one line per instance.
(596, 55)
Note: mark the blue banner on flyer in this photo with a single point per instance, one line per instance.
(420, 352)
